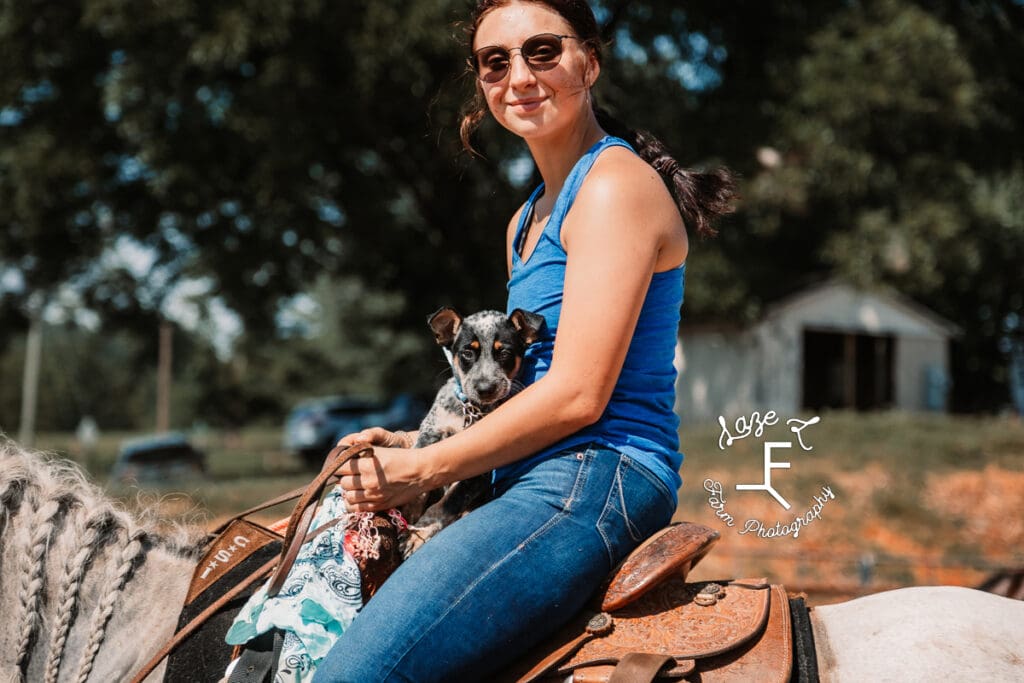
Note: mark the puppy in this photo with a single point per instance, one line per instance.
(486, 352)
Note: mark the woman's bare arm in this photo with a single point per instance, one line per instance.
(614, 237)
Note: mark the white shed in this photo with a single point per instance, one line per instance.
(828, 346)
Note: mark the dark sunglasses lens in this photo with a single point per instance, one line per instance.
(540, 52)
(543, 52)
(492, 64)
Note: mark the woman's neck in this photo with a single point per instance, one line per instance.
(556, 155)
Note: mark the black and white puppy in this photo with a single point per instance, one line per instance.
(486, 353)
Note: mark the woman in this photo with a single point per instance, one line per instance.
(585, 457)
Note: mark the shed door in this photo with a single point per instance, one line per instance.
(851, 371)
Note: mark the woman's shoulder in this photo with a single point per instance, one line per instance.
(620, 180)
(623, 201)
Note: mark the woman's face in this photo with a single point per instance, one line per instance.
(534, 104)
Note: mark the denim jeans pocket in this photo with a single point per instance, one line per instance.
(578, 463)
(560, 479)
(638, 504)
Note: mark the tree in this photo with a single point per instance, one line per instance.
(256, 146)
(58, 156)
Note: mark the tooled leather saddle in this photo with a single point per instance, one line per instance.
(648, 623)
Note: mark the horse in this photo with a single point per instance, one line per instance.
(91, 592)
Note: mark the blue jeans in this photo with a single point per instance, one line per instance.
(493, 584)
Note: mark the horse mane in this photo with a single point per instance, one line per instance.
(36, 477)
(59, 503)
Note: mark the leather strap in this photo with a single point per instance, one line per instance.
(259, 659)
(276, 500)
(201, 618)
(639, 667)
(544, 666)
(635, 667)
(305, 510)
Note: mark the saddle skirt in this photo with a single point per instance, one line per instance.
(727, 631)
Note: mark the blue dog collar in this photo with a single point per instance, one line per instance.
(459, 393)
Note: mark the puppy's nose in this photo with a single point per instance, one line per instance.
(487, 389)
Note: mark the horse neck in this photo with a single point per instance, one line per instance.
(143, 612)
(83, 592)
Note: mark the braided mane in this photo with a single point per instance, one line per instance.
(48, 503)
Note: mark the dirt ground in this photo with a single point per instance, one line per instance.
(957, 529)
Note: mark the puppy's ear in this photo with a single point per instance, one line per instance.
(527, 324)
(445, 324)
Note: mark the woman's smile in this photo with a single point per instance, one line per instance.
(525, 105)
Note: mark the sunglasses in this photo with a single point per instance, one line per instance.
(540, 52)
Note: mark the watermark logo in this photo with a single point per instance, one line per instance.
(755, 425)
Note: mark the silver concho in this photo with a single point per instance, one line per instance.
(600, 624)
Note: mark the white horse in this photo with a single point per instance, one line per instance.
(87, 591)
(90, 593)
(926, 633)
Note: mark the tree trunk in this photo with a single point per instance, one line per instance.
(30, 380)
(163, 377)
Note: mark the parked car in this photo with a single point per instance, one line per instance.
(314, 426)
(159, 457)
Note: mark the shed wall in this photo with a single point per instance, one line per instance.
(842, 308)
(718, 374)
(922, 374)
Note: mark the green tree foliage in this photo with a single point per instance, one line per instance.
(287, 140)
(82, 373)
(58, 156)
(261, 146)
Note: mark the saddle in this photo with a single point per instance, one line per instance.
(646, 623)
(649, 624)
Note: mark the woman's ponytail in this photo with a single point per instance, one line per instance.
(702, 197)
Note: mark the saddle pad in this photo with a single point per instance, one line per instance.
(204, 655)
(652, 624)
(233, 546)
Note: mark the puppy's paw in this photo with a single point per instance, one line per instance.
(410, 544)
(417, 536)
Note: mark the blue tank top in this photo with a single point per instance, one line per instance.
(640, 419)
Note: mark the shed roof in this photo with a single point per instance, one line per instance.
(838, 304)
(835, 304)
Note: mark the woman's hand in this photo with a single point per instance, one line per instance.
(378, 436)
(387, 479)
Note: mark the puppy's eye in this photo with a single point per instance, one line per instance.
(467, 354)
(503, 354)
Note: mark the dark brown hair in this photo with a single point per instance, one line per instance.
(702, 197)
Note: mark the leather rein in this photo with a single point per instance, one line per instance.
(295, 537)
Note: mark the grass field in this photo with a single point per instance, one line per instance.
(917, 499)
